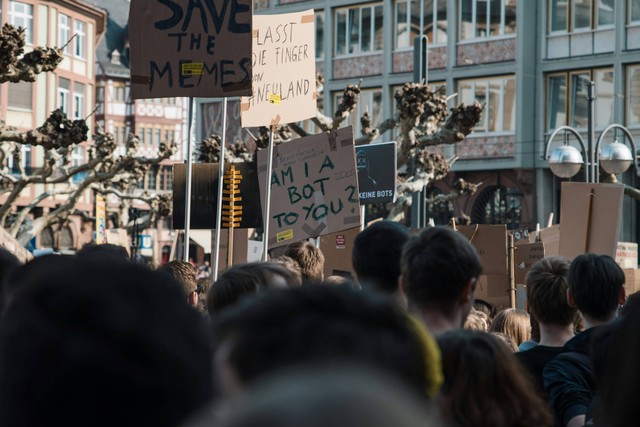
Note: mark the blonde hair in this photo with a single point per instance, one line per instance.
(513, 323)
(477, 321)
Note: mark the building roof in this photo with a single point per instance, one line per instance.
(116, 38)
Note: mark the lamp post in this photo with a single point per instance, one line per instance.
(565, 161)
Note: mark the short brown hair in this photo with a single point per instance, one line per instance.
(513, 323)
(547, 291)
(309, 258)
(184, 273)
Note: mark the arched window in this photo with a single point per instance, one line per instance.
(441, 213)
(498, 205)
(66, 238)
(46, 238)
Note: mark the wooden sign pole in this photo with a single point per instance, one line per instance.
(187, 204)
(512, 271)
(265, 217)
(232, 214)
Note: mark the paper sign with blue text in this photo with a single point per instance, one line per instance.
(190, 48)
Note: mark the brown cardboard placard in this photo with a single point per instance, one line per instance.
(314, 187)
(240, 246)
(186, 48)
(631, 280)
(337, 248)
(627, 255)
(526, 255)
(590, 218)
(550, 236)
(494, 289)
(284, 70)
(491, 243)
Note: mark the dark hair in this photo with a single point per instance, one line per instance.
(343, 396)
(247, 279)
(436, 266)
(184, 273)
(291, 265)
(101, 341)
(620, 381)
(8, 263)
(484, 384)
(595, 282)
(376, 255)
(315, 325)
(546, 284)
(309, 258)
(104, 250)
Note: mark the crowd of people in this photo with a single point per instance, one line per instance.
(93, 339)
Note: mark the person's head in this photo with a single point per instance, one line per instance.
(8, 263)
(477, 321)
(185, 274)
(339, 396)
(247, 279)
(505, 340)
(619, 386)
(596, 287)
(104, 250)
(310, 259)
(318, 326)
(336, 280)
(546, 284)
(94, 342)
(439, 271)
(485, 385)
(203, 285)
(291, 265)
(513, 323)
(376, 255)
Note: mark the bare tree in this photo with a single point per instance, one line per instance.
(108, 170)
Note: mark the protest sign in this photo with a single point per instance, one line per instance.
(494, 289)
(101, 220)
(590, 218)
(284, 70)
(240, 247)
(377, 172)
(527, 254)
(190, 48)
(204, 197)
(491, 243)
(337, 248)
(550, 236)
(314, 187)
(627, 255)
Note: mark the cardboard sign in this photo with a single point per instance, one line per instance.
(590, 217)
(627, 255)
(240, 246)
(526, 255)
(491, 243)
(204, 195)
(119, 237)
(494, 289)
(190, 48)
(550, 236)
(377, 172)
(314, 188)
(284, 70)
(337, 248)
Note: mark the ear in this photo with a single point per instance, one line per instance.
(468, 293)
(193, 298)
(402, 287)
(622, 298)
(570, 300)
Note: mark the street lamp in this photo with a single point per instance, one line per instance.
(565, 161)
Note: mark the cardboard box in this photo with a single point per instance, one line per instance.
(627, 255)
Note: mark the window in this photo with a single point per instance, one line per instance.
(486, 18)
(78, 101)
(20, 95)
(156, 137)
(64, 32)
(407, 21)
(319, 34)
(169, 178)
(141, 135)
(499, 96)
(77, 159)
(634, 10)
(100, 94)
(567, 102)
(359, 30)
(371, 102)
(21, 15)
(63, 94)
(118, 92)
(633, 95)
(81, 39)
(580, 15)
(148, 139)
